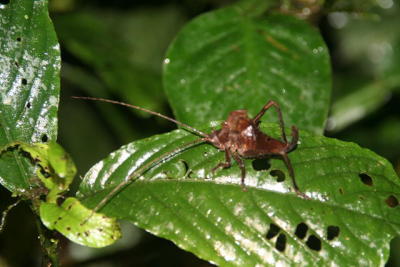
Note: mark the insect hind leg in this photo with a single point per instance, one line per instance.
(274, 104)
(242, 169)
(295, 138)
(291, 174)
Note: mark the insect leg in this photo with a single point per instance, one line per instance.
(295, 138)
(269, 104)
(291, 174)
(225, 164)
(242, 168)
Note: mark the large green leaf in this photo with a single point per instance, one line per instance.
(351, 215)
(29, 85)
(230, 59)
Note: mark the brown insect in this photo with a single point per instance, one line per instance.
(239, 137)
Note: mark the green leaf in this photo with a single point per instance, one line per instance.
(29, 85)
(228, 59)
(55, 168)
(358, 104)
(80, 224)
(349, 220)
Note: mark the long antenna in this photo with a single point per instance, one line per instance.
(188, 127)
(140, 171)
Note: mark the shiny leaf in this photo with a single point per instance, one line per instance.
(349, 220)
(230, 59)
(29, 85)
(80, 224)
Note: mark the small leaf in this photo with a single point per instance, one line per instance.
(349, 220)
(230, 59)
(55, 168)
(80, 224)
(29, 85)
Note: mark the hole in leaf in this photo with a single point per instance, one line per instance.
(273, 231)
(19, 39)
(4, 2)
(301, 230)
(366, 179)
(24, 81)
(333, 231)
(261, 164)
(280, 176)
(44, 173)
(44, 138)
(392, 201)
(60, 200)
(23, 153)
(281, 242)
(28, 105)
(314, 243)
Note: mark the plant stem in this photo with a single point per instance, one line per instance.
(49, 245)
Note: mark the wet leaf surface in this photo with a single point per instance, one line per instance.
(230, 59)
(29, 85)
(350, 218)
(80, 224)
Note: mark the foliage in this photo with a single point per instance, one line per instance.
(211, 216)
(30, 65)
(248, 59)
(235, 57)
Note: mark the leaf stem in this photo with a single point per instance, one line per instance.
(5, 213)
(48, 244)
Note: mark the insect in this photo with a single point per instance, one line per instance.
(239, 137)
